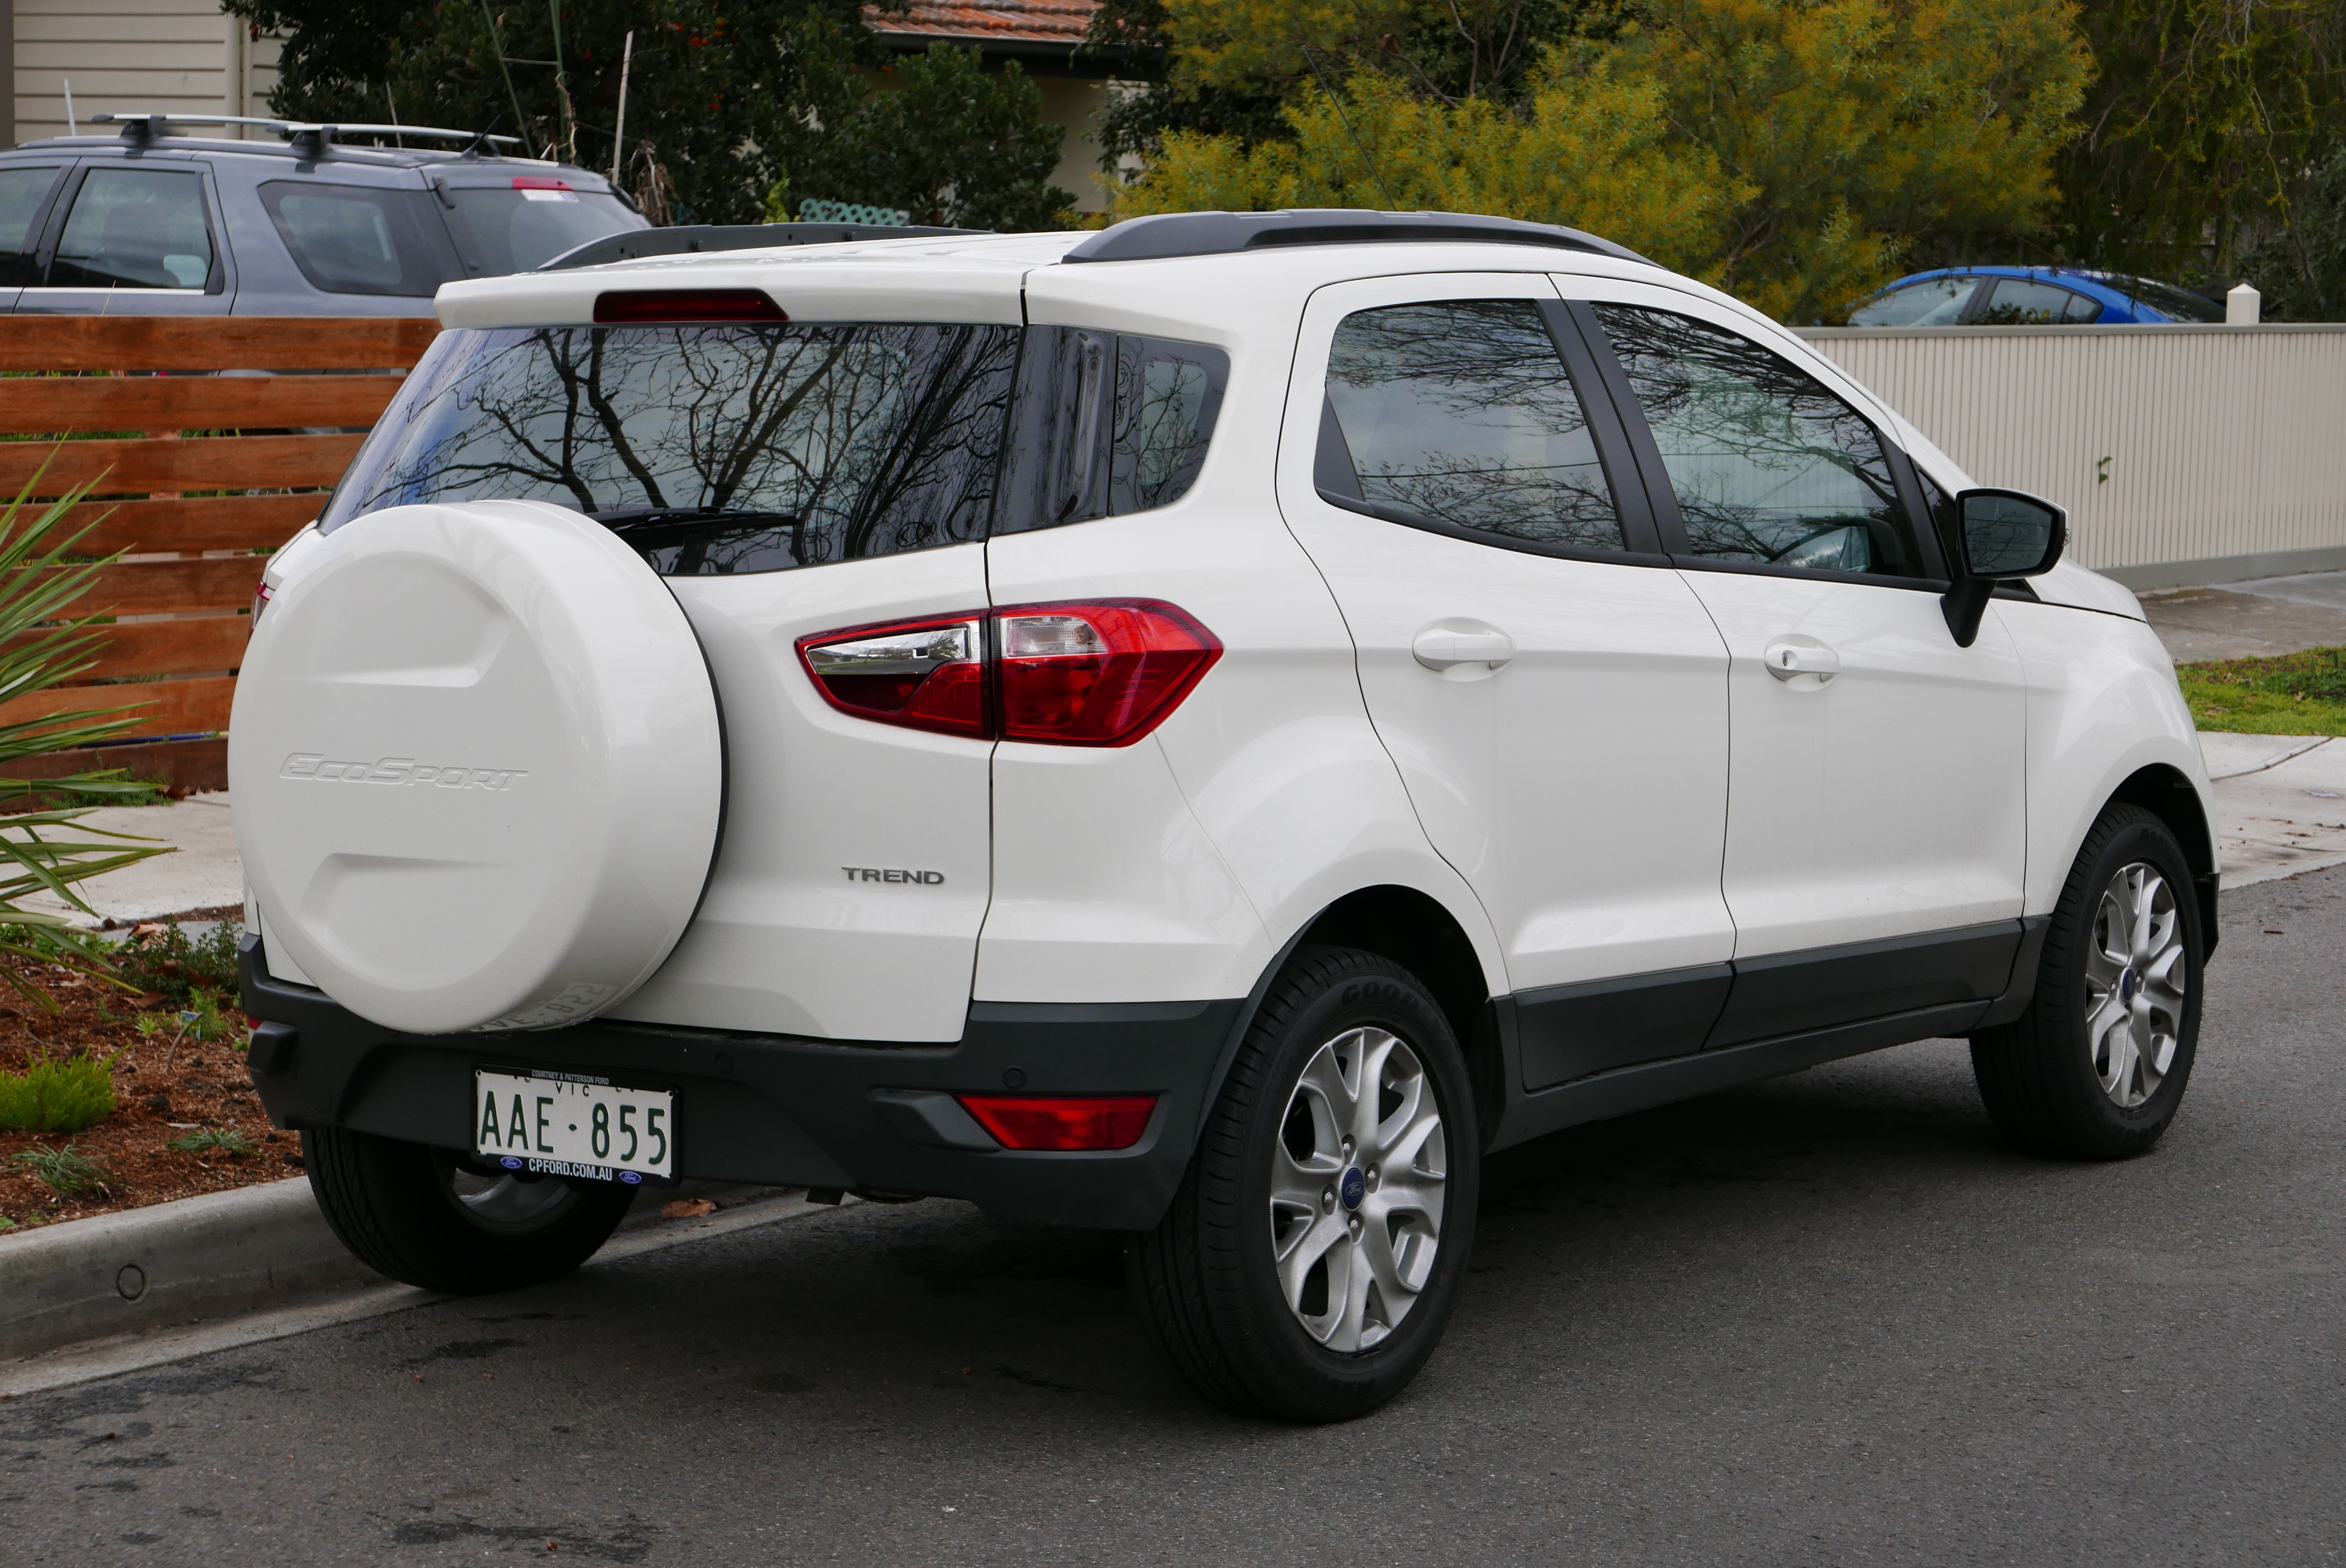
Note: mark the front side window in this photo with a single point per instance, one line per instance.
(353, 239)
(1767, 464)
(1933, 303)
(1459, 413)
(22, 191)
(135, 228)
(712, 450)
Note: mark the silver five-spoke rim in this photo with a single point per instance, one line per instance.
(2135, 980)
(1356, 1190)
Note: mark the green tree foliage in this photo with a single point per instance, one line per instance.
(2299, 265)
(2204, 128)
(723, 101)
(1788, 151)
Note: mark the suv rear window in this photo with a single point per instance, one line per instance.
(505, 229)
(354, 238)
(712, 450)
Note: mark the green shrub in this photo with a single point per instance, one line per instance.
(211, 1140)
(201, 1019)
(57, 1096)
(177, 966)
(67, 1172)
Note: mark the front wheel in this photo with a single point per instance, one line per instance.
(1311, 1257)
(2095, 1068)
(427, 1217)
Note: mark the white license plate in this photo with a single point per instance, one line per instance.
(550, 1120)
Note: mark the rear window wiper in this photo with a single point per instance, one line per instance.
(672, 516)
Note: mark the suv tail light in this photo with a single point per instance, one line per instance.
(1083, 673)
(1062, 1122)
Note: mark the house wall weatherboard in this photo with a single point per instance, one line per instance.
(169, 57)
(2185, 455)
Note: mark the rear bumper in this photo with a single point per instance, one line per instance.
(788, 1111)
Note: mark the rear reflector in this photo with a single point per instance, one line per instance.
(1101, 672)
(1063, 1121)
(686, 305)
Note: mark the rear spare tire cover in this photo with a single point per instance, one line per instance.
(477, 766)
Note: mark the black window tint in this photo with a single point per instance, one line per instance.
(1767, 466)
(2025, 303)
(501, 229)
(352, 239)
(1461, 413)
(135, 228)
(1108, 425)
(712, 450)
(22, 191)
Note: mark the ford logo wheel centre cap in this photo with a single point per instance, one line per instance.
(1352, 1187)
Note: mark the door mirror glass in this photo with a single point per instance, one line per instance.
(2008, 534)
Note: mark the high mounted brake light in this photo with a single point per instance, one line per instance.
(1093, 672)
(538, 182)
(622, 307)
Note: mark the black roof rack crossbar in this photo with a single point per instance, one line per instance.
(149, 125)
(1170, 234)
(690, 239)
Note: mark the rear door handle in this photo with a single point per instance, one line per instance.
(1787, 660)
(1446, 647)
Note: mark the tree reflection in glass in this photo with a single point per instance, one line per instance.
(1461, 411)
(715, 449)
(1767, 464)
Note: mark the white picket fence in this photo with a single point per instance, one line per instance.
(2185, 455)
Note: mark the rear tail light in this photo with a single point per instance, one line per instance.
(620, 307)
(1063, 1122)
(1084, 673)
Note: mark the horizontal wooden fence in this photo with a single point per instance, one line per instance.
(199, 474)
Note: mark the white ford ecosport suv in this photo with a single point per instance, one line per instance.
(1204, 729)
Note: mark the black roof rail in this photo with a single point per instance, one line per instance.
(1168, 234)
(690, 239)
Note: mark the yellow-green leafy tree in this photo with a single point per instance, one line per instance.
(1787, 150)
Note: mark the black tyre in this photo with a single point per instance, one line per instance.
(426, 1216)
(1310, 1261)
(2097, 1065)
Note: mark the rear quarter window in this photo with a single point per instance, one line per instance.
(1109, 424)
(357, 239)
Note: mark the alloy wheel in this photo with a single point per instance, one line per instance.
(2136, 978)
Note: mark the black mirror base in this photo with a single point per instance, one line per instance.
(1964, 605)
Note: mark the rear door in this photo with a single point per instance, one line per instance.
(1554, 694)
(139, 235)
(1876, 806)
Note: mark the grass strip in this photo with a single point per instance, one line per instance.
(2294, 694)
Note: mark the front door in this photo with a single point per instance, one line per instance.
(1554, 694)
(1876, 810)
(139, 237)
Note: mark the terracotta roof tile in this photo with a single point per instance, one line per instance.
(1021, 21)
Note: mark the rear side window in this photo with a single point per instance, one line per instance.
(1109, 424)
(2025, 303)
(1459, 415)
(351, 239)
(1933, 303)
(712, 450)
(22, 191)
(135, 228)
(502, 229)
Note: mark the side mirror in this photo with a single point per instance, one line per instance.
(2000, 534)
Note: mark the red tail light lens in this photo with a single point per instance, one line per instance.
(1063, 1121)
(625, 306)
(924, 675)
(1082, 673)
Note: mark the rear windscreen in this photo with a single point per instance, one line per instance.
(500, 229)
(712, 450)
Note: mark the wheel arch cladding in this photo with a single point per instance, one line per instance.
(1414, 931)
(2167, 795)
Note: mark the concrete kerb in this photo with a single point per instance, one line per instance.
(94, 1297)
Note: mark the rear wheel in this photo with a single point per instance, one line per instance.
(1311, 1257)
(2096, 1069)
(427, 1217)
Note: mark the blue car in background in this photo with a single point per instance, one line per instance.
(2029, 297)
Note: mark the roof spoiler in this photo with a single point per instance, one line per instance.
(694, 239)
(1170, 234)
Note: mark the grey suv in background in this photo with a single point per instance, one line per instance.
(155, 222)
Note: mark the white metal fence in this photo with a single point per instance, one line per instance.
(2183, 454)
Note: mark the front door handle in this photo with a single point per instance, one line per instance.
(1443, 647)
(1787, 658)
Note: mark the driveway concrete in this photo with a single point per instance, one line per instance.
(1825, 1321)
(2259, 619)
(202, 872)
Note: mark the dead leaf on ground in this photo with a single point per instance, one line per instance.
(687, 1209)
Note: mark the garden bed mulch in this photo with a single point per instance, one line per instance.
(160, 1094)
